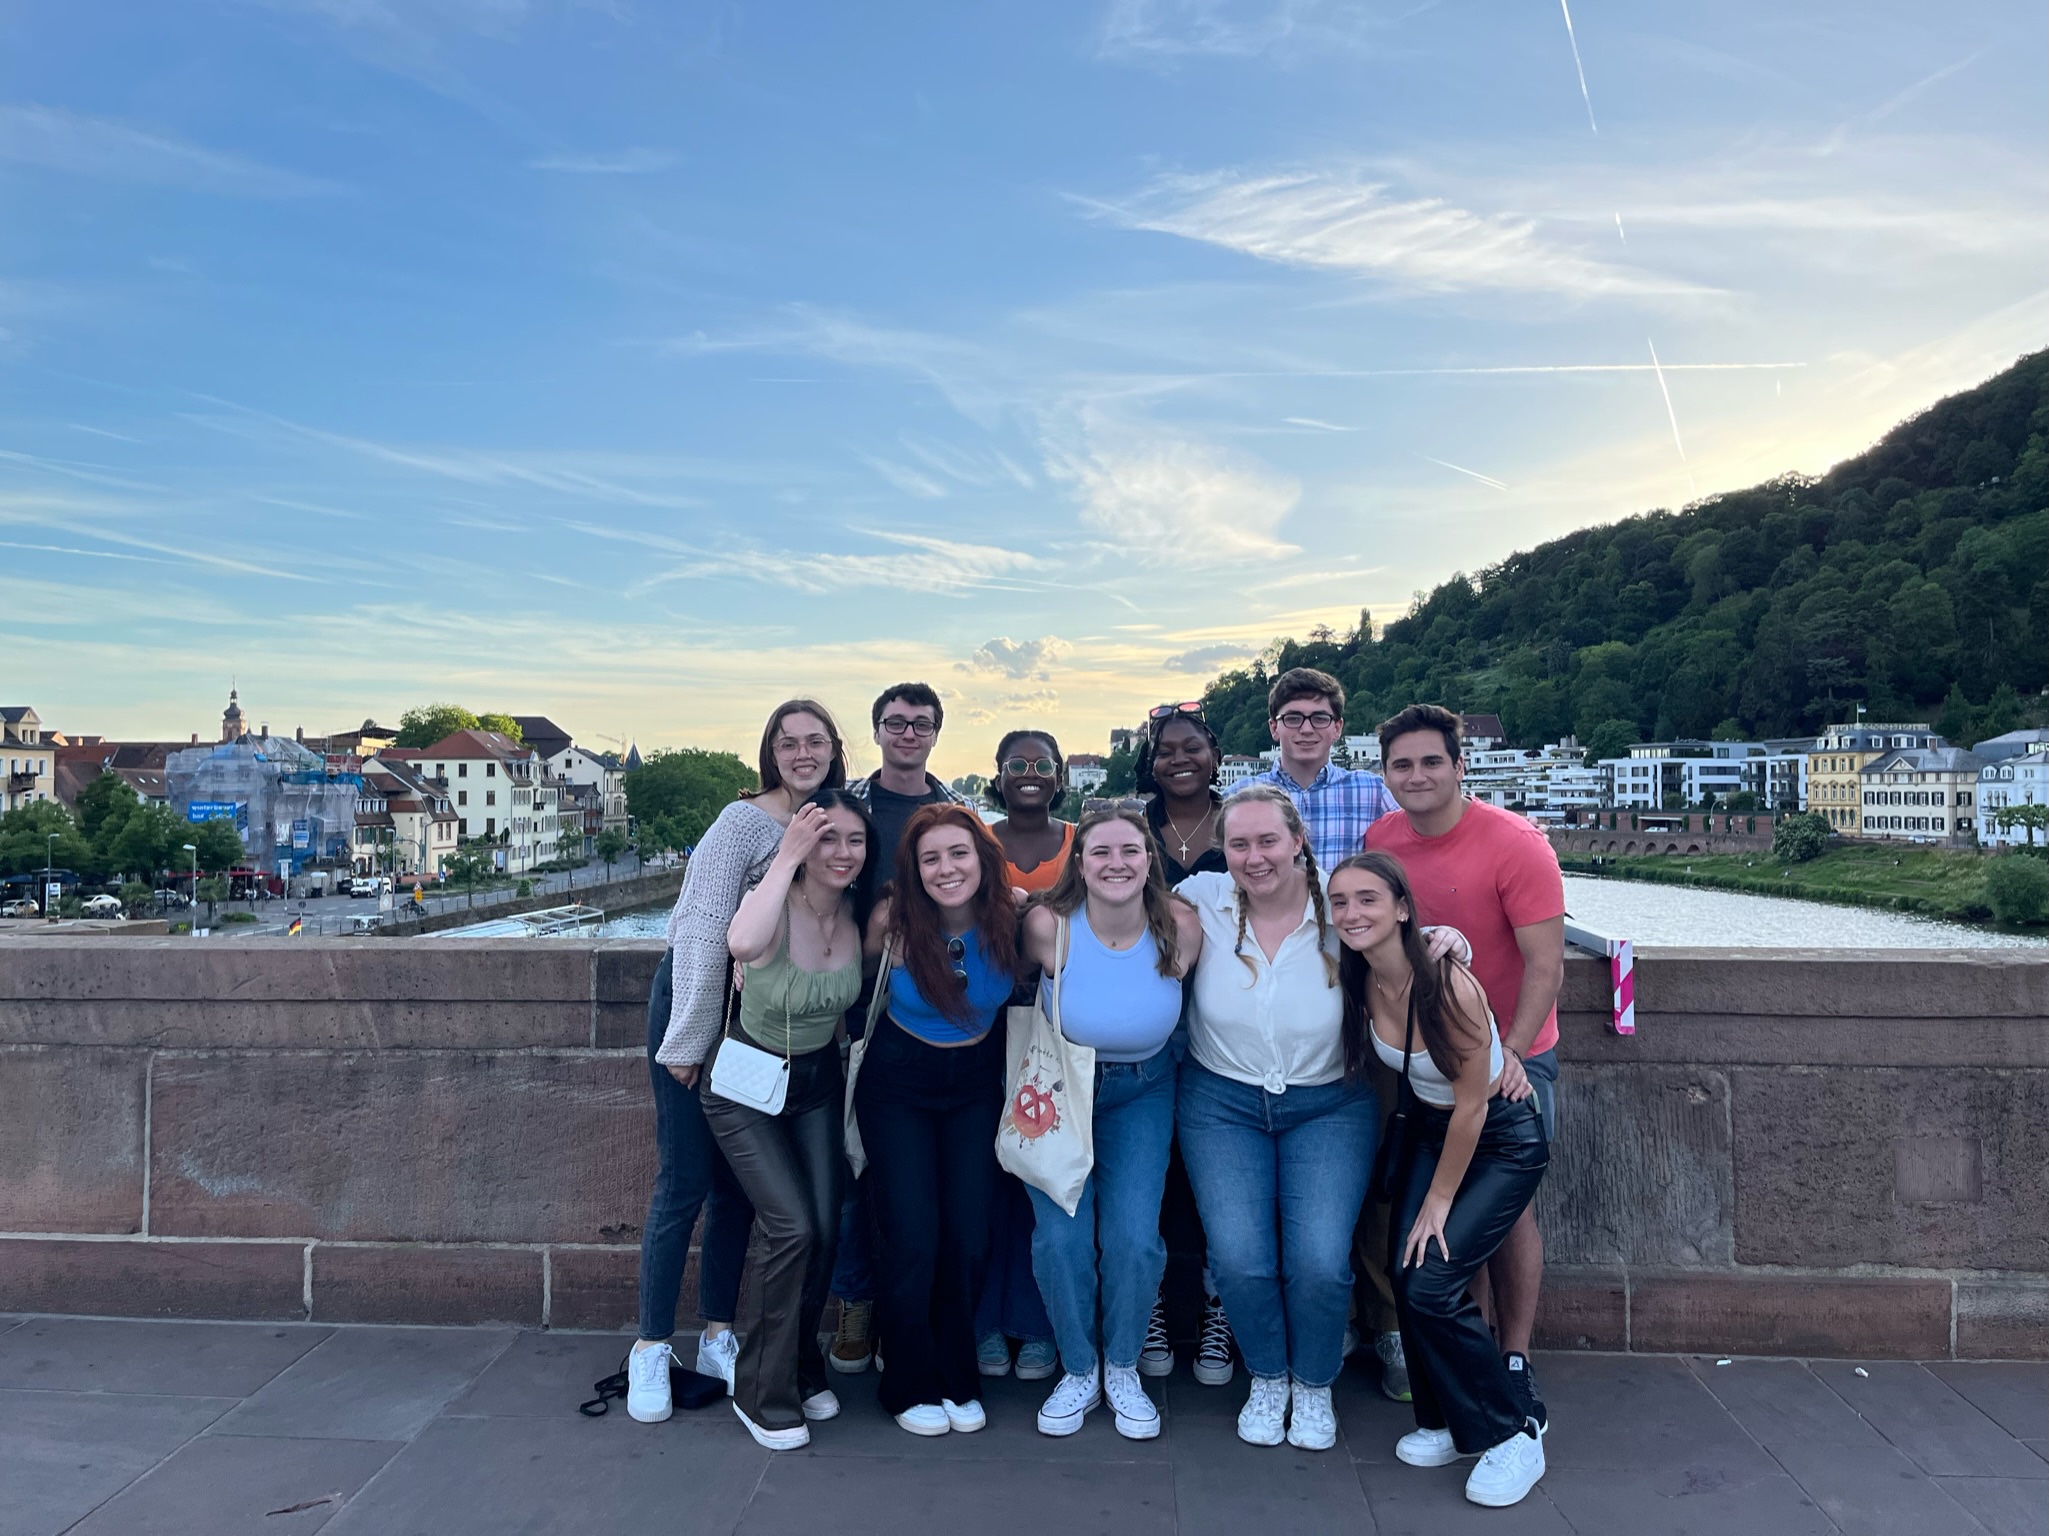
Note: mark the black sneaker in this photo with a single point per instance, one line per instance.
(1525, 1385)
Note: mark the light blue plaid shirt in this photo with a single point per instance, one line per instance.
(1337, 807)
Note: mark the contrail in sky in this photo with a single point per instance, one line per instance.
(1484, 479)
(1563, 6)
(1671, 414)
(1618, 229)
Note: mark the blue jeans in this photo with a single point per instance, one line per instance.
(1542, 1070)
(689, 1167)
(1279, 1179)
(1111, 1247)
(853, 1273)
(1010, 1303)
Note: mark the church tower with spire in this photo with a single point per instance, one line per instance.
(232, 726)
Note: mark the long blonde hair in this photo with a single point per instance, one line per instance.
(1282, 801)
(1070, 890)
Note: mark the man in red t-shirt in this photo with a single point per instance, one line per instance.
(1490, 874)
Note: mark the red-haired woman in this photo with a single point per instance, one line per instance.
(929, 1095)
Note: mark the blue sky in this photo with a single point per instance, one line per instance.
(641, 365)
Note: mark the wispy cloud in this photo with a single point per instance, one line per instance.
(1019, 659)
(1207, 658)
(625, 162)
(920, 564)
(1337, 221)
(1162, 497)
(1160, 31)
(1321, 426)
(95, 146)
(904, 478)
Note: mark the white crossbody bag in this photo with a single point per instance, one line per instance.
(745, 1074)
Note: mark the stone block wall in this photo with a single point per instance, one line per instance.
(1797, 1152)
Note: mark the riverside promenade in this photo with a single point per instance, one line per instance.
(111, 1428)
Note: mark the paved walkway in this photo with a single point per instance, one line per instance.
(217, 1429)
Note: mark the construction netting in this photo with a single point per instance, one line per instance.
(284, 801)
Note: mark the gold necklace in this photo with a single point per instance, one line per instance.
(828, 928)
(1185, 841)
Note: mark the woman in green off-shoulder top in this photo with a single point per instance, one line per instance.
(799, 947)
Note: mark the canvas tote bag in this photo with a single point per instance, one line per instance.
(857, 1051)
(1047, 1134)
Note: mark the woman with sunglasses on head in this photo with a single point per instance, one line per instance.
(927, 1101)
(797, 936)
(801, 752)
(1030, 777)
(1472, 1164)
(1115, 944)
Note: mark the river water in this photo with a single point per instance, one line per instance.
(1670, 914)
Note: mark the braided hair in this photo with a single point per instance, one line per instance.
(1142, 763)
(1291, 817)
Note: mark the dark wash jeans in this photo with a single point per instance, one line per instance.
(1455, 1365)
(928, 1123)
(791, 1166)
(688, 1169)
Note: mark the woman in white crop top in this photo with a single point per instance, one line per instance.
(1471, 1164)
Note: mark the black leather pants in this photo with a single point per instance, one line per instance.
(1455, 1366)
(790, 1165)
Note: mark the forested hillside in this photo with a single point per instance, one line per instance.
(1913, 578)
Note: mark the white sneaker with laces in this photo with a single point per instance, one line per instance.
(775, 1439)
(820, 1406)
(1137, 1418)
(1508, 1471)
(1213, 1352)
(1071, 1402)
(924, 1419)
(1157, 1357)
(1264, 1418)
(647, 1383)
(716, 1356)
(1426, 1448)
(963, 1418)
(1312, 1422)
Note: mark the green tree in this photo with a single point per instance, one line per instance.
(2030, 818)
(687, 787)
(1611, 738)
(427, 724)
(1799, 837)
(135, 895)
(211, 890)
(1118, 771)
(103, 805)
(2017, 888)
(219, 845)
(25, 845)
(1742, 803)
(503, 724)
(609, 844)
(969, 787)
(144, 842)
(469, 866)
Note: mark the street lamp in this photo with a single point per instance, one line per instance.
(49, 861)
(193, 849)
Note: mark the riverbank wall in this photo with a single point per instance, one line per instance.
(1796, 1153)
(1662, 872)
(655, 887)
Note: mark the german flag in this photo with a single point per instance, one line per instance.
(296, 925)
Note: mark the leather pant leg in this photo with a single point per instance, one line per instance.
(1455, 1365)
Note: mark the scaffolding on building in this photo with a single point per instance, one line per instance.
(289, 807)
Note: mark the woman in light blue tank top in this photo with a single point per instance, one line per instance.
(1119, 942)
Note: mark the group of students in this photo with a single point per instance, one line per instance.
(1333, 992)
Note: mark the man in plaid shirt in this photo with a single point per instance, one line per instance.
(1306, 713)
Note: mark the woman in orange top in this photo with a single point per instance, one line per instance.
(1030, 775)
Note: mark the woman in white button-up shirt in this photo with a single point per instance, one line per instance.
(1278, 1139)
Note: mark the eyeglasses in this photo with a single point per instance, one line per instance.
(1044, 767)
(1185, 707)
(896, 725)
(1295, 720)
(1092, 806)
(957, 952)
(787, 744)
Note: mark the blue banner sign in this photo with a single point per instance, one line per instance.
(214, 810)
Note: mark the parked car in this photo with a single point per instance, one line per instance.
(168, 899)
(102, 905)
(369, 885)
(21, 906)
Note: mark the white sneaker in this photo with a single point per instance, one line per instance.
(1263, 1419)
(775, 1439)
(647, 1383)
(1213, 1352)
(1137, 1418)
(1509, 1471)
(1312, 1424)
(1157, 1357)
(1070, 1403)
(717, 1357)
(963, 1418)
(924, 1419)
(822, 1405)
(1426, 1448)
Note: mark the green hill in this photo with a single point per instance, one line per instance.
(1913, 578)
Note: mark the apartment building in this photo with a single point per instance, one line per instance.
(1835, 766)
(498, 793)
(1920, 795)
(2007, 782)
(30, 761)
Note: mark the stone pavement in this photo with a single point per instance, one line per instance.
(165, 1428)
